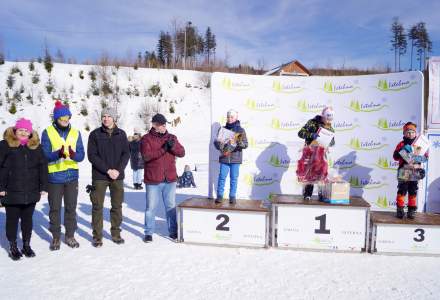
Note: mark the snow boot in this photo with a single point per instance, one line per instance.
(411, 212)
(232, 200)
(118, 240)
(55, 244)
(218, 200)
(148, 238)
(97, 242)
(27, 250)
(14, 253)
(400, 212)
(71, 242)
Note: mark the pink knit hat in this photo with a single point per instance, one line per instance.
(24, 124)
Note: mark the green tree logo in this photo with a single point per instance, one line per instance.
(383, 85)
(328, 87)
(382, 202)
(354, 182)
(355, 144)
(355, 106)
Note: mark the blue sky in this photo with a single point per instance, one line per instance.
(323, 33)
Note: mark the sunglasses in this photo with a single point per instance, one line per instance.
(64, 118)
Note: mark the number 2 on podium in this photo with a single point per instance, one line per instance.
(222, 224)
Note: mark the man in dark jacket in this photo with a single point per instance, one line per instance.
(108, 153)
(136, 161)
(231, 157)
(63, 148)
(159, 150)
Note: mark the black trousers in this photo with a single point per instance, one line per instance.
(409, 187)
(14, 213)
(56, 193)
(308, 190)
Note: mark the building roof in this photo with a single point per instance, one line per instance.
(281, 68)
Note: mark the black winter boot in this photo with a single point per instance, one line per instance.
(411, 212)
(27, 250)
(14, 253)
(400, 212)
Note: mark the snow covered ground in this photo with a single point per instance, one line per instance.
(167, 270)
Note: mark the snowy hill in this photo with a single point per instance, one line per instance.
(164, 269)
(180, 95)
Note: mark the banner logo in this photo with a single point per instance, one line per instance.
(368, 145)
(386, 164)
(305, 106)
(333, 88)
(371, 106)
(235, 85)
(286, 126)
(277, 162)
(357, 183)
(384, 124)
(287, 88)
(342, 163)
(261, 143)
(383, 202)
(344, 126)
(260, 105)
(260, 180)
(394, 85)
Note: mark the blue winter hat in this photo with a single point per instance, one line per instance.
(60, 110)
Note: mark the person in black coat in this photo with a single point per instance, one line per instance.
(108, 152)
(23, 179)
(136, 161)
(187, 178)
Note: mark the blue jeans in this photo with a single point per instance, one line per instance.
(138, 176)
(233, 179)
(165, 191)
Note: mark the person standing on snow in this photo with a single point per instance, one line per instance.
(108, 152)
(159, 150)
(63, 148)
(136, 161)
(23, 180)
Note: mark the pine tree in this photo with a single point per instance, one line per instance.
(160, 49)
(48, 65)
(210, 43)
(398, 41)
(10, 81)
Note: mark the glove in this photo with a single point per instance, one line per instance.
(315, 136)
(71, 153)
(407, 148)
(168, 145)
(61, 153)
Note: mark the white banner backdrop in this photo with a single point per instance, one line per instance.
(370, 112)
(434, 93)
(433, 173)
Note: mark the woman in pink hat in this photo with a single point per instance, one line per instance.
(23, 179)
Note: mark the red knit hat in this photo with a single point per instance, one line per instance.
(409, 126)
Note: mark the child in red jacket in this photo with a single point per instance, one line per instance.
(409, 171)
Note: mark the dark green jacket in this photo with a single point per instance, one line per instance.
(312, 127)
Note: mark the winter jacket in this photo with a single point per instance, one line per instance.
(23, 169)
(107, 149)
(396, 154)
(186, 180)
(67, 175)
(160, 165)
(136, 161)
(312, 126)
(236, 156)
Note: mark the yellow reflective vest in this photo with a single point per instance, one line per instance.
(57, 142)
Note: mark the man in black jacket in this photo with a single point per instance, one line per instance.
(108, 153)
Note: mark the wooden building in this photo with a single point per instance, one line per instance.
(292, 68)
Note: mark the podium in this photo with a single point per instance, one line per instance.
(419, 236)
(312, 224)
(202, 221)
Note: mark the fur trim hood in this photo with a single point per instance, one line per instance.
(12, 140)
